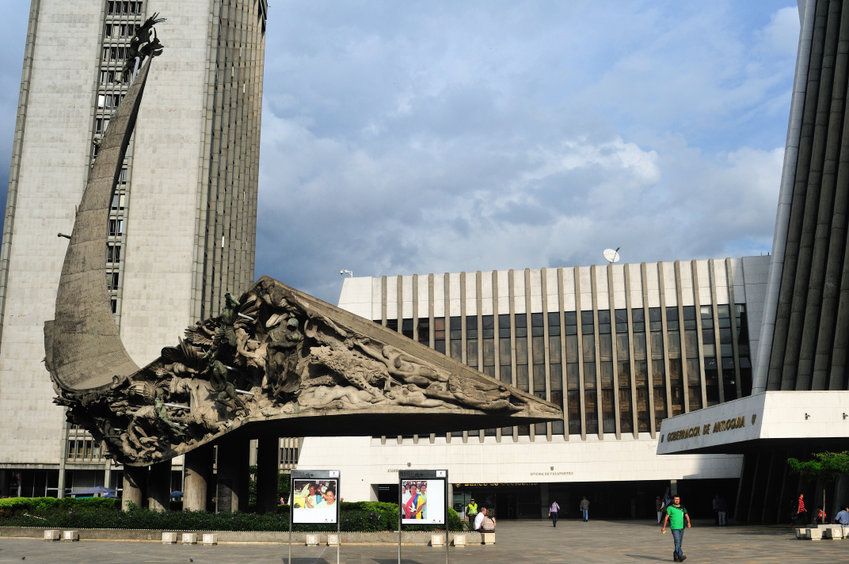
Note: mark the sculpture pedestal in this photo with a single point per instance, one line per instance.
(233, 467)
(198, 464)
(267, 470)
(133, 488)
(159, 486)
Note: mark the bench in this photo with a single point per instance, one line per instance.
(487, 538)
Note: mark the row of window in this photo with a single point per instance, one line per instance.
(604, 363)
(121, 7)
(116, 30)
(114, 53)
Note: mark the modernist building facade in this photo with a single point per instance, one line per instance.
(619, 347)
(801, 383)
(182, 228)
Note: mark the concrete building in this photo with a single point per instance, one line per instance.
(800, 403)
(619, 347)
(182, 229)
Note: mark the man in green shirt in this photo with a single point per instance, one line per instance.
(676, 515)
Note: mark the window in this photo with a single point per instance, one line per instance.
(116, 227)
(113, 252)
(112, 279)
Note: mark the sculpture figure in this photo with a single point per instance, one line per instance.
(275, 360)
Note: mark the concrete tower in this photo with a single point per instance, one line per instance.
(183, 223)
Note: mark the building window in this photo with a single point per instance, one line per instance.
(590, 392)
(116, 227)
(407, 328)
(439, 334)
(455, 334)
(423, 329)
(472, 341)
(113, 253)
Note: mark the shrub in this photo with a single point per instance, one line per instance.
(366, 516)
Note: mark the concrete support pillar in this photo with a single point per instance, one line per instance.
(232, 492)
(135, 480)
(673, 487)
(544, 500)
(159, 486)
(3, 483)
(267, 472)
(198, 476)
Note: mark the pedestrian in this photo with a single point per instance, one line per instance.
(714, 503)
(800, 513)
(553, 511)
(472, 510)
(722, 511)
(658, 506)
(584, 506)
(821, 516)
(676, 516)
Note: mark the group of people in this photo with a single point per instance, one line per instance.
(800, 513)
(414, 500)
(583, 507)
(480, 517)
(315, 495)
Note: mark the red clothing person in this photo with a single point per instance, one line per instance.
(801, 510)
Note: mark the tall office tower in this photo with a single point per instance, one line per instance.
(183, 222)
(619, 347)
(808, 299)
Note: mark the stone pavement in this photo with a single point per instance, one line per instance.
(517, 542)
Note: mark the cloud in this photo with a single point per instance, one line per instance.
(447, 137)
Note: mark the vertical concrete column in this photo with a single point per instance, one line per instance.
(233, 467)
(544, 500)
(135, 480)
(267, 472)
(198, 474)
(159, 486)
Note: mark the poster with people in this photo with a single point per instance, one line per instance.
(315, 500)
(422, 501)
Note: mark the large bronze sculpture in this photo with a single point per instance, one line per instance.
(276, 362)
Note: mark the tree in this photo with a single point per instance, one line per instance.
(827, 466)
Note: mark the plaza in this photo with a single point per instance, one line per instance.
(517, 541)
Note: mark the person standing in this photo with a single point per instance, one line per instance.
(658, 506)
(842, 516)
(584, 506)
(472, 510)
(722, 511)
(676, 516)
(553, 511)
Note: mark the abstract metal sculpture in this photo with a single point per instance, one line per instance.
(276, 361)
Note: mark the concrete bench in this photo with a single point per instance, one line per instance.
(814, 533)
(210, 539)
(801, 533)
(70, 536)
(52, 535)
(437, 540)
(488, 538)
(459, 540)
(311, 540)
(169, 538)
(333, 540)
(190, 538)
(831, 531)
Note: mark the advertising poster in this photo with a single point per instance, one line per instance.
(315, 500)
(423, 501)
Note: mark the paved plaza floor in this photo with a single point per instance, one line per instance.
(517, 542)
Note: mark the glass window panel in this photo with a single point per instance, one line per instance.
(554, 349)
(522, 377)
(589, 375)
(538, 349)
(521, 325)
(606, 375)
(488, 352)
(574, 412)
(605, 348)
(556, 375)
(589, 347)
(622, 350)
(572, 377)
(522, 351)
(626, 423)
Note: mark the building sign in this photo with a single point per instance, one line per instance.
(707, 429)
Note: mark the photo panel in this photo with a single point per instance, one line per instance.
(422, 501)
(315, 500)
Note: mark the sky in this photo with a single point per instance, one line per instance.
(415, 137)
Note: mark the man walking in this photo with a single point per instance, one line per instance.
(676, 515)
(553, 511)
(584, 506)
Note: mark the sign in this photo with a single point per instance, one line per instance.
(708, 428)
(423, 494)
(315, 496)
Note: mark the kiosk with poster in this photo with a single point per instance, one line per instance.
(423, 500)
(315, 500)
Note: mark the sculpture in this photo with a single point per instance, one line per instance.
(275, 361)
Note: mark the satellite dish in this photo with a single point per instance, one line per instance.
(611, 255)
